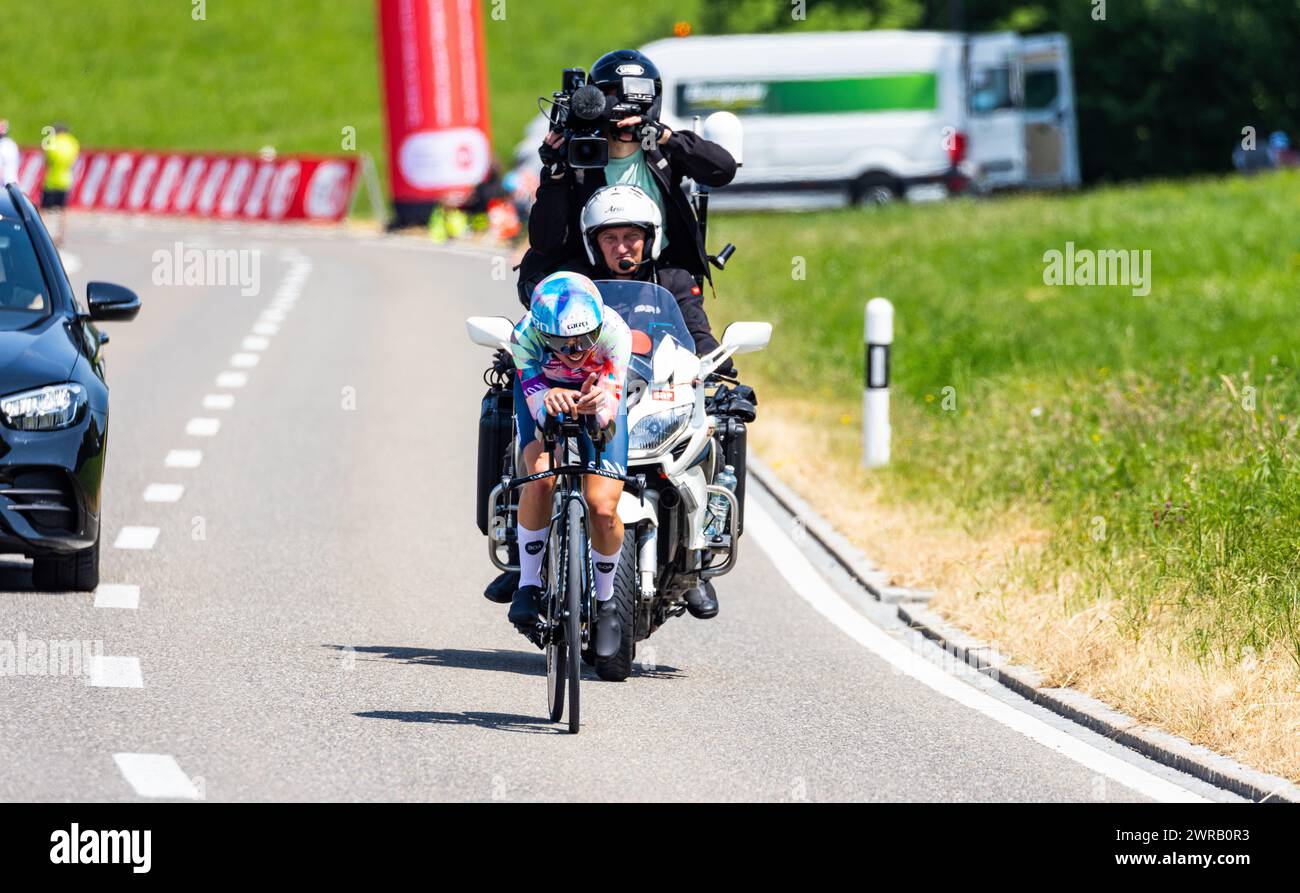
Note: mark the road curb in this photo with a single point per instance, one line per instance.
(1162, 747)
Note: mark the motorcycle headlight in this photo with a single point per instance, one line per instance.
(44, 409)
(653, 431)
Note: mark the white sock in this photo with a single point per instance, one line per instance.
(532, 545)
(605, 578)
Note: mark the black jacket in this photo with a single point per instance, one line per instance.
(553, 233)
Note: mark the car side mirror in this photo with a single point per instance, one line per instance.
(111, 303)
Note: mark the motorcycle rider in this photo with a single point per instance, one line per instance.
(571, 355)
(618, 223)
(642, 152)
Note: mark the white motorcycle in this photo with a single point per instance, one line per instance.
(683, 529)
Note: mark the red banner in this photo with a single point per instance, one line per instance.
(435, 86)
(234, 187)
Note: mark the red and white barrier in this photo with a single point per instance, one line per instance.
(204, 184)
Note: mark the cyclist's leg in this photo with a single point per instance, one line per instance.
(534, 517)
(602, 504)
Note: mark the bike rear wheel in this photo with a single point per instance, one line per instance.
(576, 591)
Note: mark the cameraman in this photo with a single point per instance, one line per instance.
(643, 153)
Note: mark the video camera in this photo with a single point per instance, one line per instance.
(583, 113)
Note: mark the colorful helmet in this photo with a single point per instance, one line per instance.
(621, 205)
(567, 312)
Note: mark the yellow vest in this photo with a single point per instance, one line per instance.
(60, 155)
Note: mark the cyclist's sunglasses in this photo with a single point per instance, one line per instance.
(572, 344)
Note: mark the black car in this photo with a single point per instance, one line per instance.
(53, 402)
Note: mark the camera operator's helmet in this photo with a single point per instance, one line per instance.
(621, 205)
(632, 79)
(567, 311)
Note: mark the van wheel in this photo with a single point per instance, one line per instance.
(873, 190)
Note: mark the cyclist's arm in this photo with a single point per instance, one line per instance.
(618, 353)
(526, 349)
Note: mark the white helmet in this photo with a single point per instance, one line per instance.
(621, 205)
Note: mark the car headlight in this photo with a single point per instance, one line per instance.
(653, 431)
(44, 409)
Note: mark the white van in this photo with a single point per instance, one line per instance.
(874, 115)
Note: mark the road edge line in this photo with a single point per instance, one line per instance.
(1155, 744)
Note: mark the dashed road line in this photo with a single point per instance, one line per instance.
(202, 427)
(136, 538)
(115, 672)
(156, 775)
(255, 342)
(117, 595)
(232, 379)
(183, 458)
(164, 492)
(218, 401)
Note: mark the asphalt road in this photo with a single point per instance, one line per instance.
(309, 623)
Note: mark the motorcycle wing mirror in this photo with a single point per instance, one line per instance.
(747, 337)
(489, 331)
(725, 129)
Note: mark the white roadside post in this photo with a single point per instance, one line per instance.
(879, 335)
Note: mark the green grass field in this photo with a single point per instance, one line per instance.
(289, 73)
(1156, 436)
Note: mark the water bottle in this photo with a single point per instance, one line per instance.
(719, 505)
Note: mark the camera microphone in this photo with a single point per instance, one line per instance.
(588, 102)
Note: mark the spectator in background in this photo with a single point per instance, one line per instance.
(61, 151)
(8, 156)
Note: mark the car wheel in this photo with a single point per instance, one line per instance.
(78, 572)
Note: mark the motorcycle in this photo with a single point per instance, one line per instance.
(684, 421)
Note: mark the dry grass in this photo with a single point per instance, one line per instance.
(987, 580)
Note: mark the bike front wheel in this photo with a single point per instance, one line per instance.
(577, 566)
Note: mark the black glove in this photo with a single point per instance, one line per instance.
(602, 436)
(553, 159)
(650, 132)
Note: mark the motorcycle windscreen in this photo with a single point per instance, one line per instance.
(651, 312)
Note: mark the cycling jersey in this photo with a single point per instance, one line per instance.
(539, 368)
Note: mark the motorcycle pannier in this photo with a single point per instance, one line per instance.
(495, 431)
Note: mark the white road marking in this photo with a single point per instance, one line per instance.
(156, 775)
(117, 595)
(218, 401)
(255, 342)
(232, 379)
(71, 262)
(183, 458)
(164, 492)
(272, 315)
(202, 427)
(806, 580)
(244, 360)
(266, 328)
(136, 538)
(115, 672)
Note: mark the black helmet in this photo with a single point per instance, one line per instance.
(633, 80)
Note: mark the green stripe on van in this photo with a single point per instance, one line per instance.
(896, 92)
